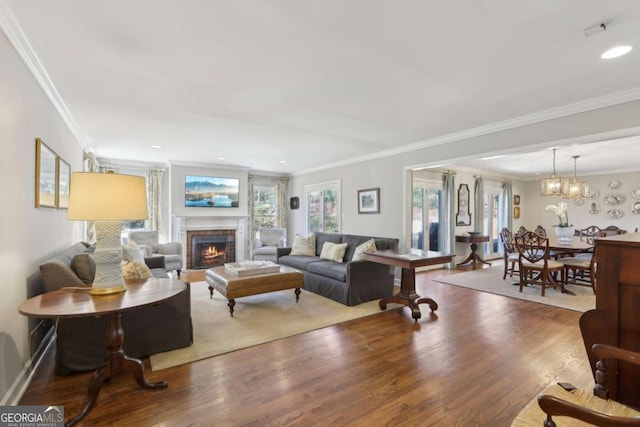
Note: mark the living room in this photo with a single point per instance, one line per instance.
(30, 110)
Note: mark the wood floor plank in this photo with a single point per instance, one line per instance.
(475, 362)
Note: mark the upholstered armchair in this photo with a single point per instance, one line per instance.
(267, 241)
(171, 251)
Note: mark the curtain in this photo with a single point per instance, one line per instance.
(507, 207)
(91, 165)
(448, 229)
(478, 221)
(154, 198)
(281, 184)
(251, 232)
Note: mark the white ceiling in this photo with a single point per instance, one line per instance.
(316, 82)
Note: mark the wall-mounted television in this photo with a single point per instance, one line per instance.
(211, 192)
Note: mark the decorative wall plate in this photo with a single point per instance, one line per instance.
(615, 213)
(593, 194)
(614, 185)
(636, 193)
(578, 202)
(614, 199)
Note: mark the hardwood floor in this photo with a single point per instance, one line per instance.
(476, 362)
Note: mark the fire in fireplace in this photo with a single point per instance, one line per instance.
(211, 250)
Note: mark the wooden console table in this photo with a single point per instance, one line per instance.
(75, 302)
(473, 257)
(408, 260)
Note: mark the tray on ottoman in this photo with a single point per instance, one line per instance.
(251, 268)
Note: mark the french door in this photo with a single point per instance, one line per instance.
(492, 222)
(426, 214)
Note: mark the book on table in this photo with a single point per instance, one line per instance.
(251, 268)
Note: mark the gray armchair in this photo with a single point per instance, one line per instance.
(171, 251)
(267, 242)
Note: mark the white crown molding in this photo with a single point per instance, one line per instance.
(208, 165)
(21, 44)
(554, 113)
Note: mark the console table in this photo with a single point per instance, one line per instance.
(473, 257)
(408, 260)
(77, 302)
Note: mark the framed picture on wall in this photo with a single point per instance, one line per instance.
(516, 199)
(63, 179)
(369, 201)
(46, 172)
(516, 212)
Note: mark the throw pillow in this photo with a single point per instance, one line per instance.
(333, 251)
(132, 252)
(84, 265)
(56, 275)
(304, 246)
(135, 270)
(368, 246)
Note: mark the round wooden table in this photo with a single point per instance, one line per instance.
(77, 302)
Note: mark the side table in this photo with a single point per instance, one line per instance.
(473, 257)
(75, 302)
(408, 260)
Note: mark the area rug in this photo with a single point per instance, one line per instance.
(490, 280)
(257, 319)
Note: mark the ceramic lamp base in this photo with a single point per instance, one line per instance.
(108, 255)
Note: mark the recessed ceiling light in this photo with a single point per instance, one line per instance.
(616, 52)
(220, 158)
(283, 161)
(157, 147)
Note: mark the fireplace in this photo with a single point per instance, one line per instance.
(210, 248)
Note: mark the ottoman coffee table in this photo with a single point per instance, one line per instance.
(232, 286)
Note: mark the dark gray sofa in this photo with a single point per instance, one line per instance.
(148, 330)
(348, 282)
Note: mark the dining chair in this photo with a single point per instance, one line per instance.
(541, 231)
(534, 264)
(510, 254)
(581, 269)
(612, 230)
(521, 230)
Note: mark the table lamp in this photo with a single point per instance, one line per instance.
(108, 199)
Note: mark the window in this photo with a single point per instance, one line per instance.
(323, 207)
(264, 206)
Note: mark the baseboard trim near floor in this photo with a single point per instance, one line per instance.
(22, 381)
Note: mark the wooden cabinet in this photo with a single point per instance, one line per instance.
(616, 318)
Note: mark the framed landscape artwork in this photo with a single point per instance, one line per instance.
(63, 181)
(369, 201)
(46, 170)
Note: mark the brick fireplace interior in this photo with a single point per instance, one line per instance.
(210, 248)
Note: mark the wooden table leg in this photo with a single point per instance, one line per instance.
(115, 364)
(473, 257)
(408, 296)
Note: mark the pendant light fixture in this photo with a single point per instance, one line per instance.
(554, 185)
(576, 189)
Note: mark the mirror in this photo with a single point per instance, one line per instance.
(463, 217)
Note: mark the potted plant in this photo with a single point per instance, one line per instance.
(563, 230)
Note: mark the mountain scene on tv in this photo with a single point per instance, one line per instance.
(211, 192)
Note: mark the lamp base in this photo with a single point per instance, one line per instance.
(108, 291)
(108, 255)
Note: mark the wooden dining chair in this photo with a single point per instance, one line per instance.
(534, 264)
(510, 254)
(580, 269)
(521, 230)
(541, 231)
(612, 230)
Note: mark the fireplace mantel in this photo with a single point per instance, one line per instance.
(182, 224)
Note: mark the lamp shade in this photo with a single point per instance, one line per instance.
(107, 197)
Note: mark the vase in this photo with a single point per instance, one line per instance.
(564, 233)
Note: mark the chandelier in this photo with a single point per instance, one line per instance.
(576, 189)
(554, 185)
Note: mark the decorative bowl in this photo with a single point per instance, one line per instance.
(474, 233)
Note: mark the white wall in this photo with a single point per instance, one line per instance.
(580, 216)
(28, 235)
(390, 173)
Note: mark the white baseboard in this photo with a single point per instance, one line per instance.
(22, 381)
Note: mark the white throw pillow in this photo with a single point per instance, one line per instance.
(304, 246)
(132, 252)
(333, 251)
(368, 246)
(134, 270)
